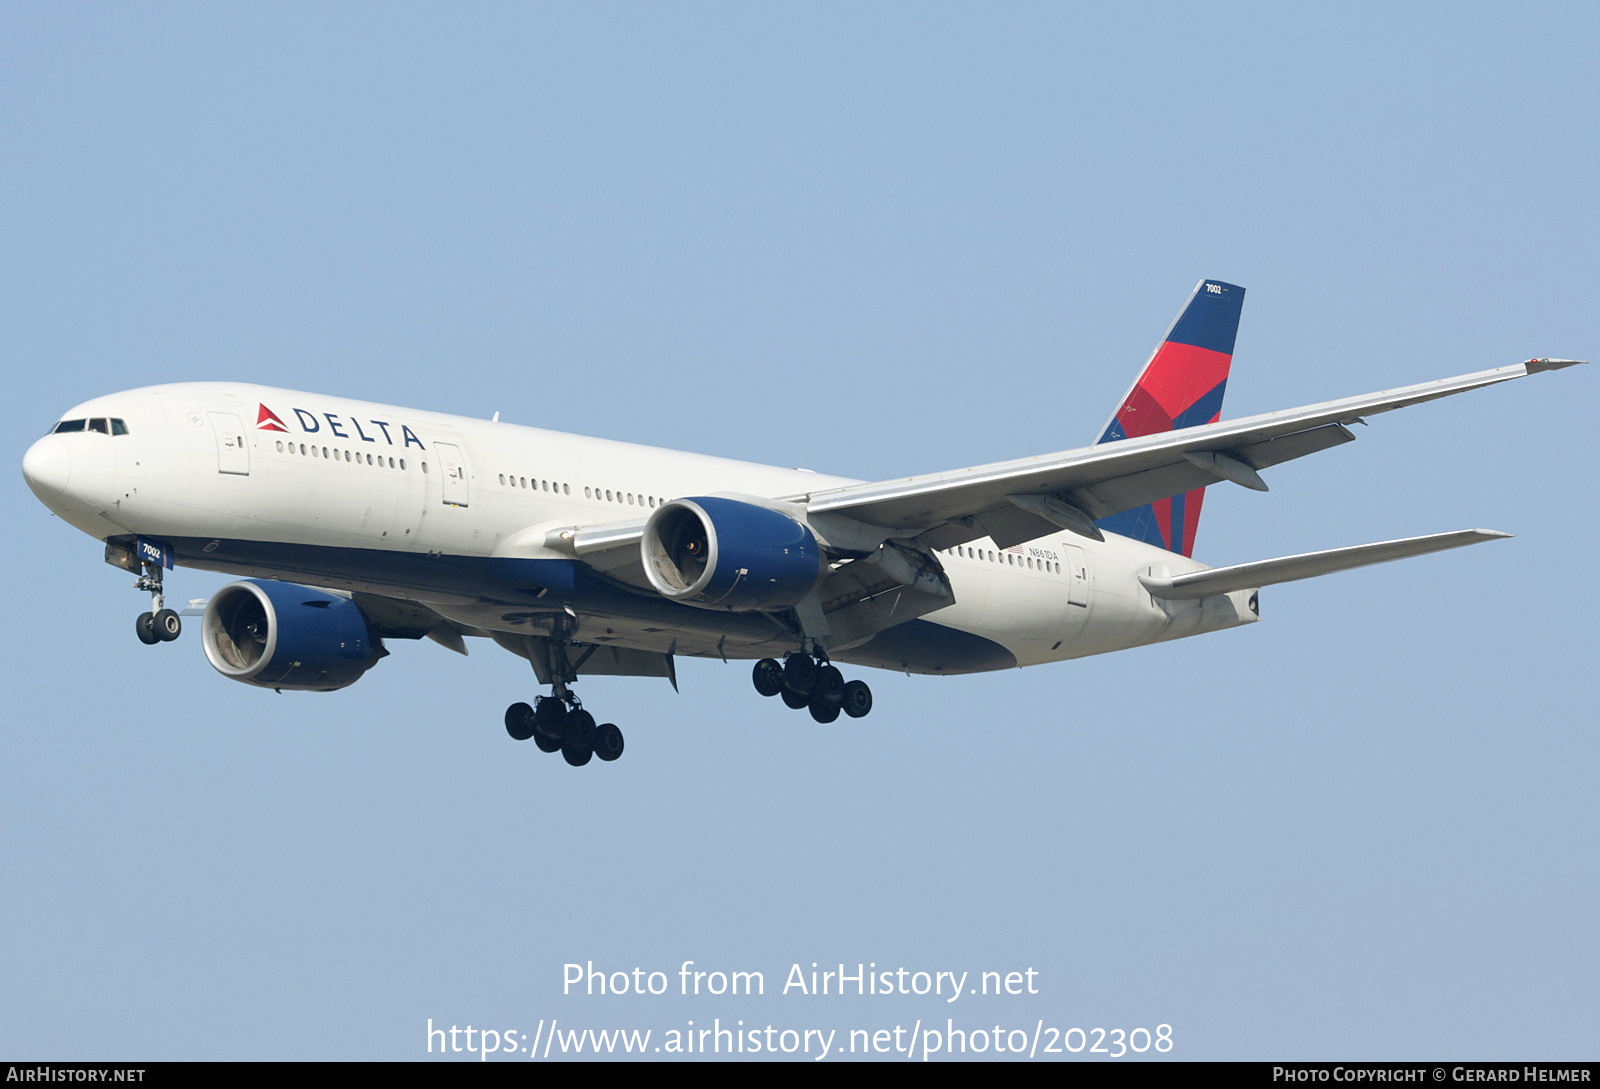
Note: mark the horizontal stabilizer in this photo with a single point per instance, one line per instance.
(1248, 576)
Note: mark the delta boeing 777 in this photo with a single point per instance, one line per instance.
(353, 523)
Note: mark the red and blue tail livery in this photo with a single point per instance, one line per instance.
(1180, 387)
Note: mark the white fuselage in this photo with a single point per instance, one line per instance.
(360, 497)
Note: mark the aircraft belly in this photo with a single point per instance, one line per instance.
(924, 646)
(500, 594)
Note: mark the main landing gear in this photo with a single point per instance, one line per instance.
(160, 624)
(558, 722)
(813, 682)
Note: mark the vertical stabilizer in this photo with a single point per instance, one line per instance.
(1181, 386)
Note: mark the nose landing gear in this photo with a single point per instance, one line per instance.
(812, 682)
(160, 624)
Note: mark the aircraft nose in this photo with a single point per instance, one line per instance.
(47, 467)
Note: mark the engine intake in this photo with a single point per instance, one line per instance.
(279, 635)
(729, 554)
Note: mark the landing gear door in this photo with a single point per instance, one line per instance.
(233, 455)
(453, 470)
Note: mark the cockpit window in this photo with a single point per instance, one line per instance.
(112, 426)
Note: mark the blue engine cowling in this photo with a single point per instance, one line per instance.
(728, 554)
(279, 635)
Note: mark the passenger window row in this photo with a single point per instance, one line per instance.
(336, 454)
(526, 482)
(630, 498)
(609, 495)
(989, 555)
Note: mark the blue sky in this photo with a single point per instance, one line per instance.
(870, 240)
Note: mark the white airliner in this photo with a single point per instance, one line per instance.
(354, 523)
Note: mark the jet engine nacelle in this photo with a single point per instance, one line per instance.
(279, 635)
(725, 553)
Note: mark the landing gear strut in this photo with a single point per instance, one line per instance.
(160, 624)
(558, 722)
(811, 681)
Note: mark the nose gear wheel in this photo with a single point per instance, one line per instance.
(160, 624)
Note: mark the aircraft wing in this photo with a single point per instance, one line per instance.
(1017, 501)
(1022, 500)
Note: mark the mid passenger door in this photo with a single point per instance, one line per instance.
(453, 471)
(1077, 576)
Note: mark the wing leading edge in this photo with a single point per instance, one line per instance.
(1021, 500)
(1091, 483)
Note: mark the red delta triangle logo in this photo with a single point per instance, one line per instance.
(267, 420)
